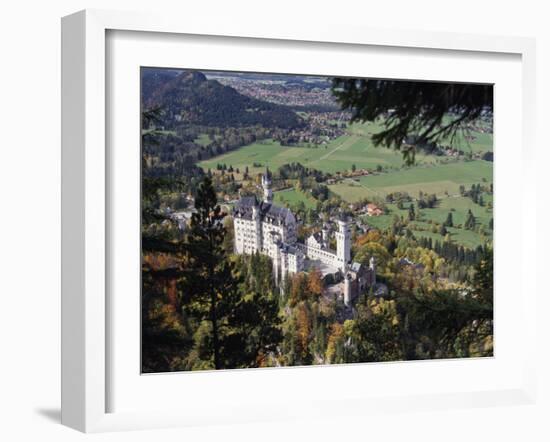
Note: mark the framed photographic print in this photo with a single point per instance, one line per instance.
(268, 222)
(275, 233)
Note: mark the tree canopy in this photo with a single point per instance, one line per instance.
(428, 111)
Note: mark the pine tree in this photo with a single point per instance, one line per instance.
(241, 326)
(209, 272)
(470, 223)
(449, 220)
(483, 278)
(411, 212)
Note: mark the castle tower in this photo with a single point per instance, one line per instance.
(325, 233)
(284, 265)
(343, 243)
(276, 263)
(372, 267)
(257, 228)
(347, 290)
(266, 184)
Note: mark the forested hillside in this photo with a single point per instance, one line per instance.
(189, 97)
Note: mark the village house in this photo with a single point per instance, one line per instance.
(374, 210)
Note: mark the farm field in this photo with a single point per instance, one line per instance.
(459, 207)
(476, 141)
(439, 179)
(293, 197)
(482, 142)
(341, 153)
(336, 156)
(466, 238)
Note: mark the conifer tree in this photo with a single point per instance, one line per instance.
(449, 220)
(470, 223)
(483, 278)
(209, 273)
(411, 212)
(242, 326)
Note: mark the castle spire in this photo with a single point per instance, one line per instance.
(266, 184)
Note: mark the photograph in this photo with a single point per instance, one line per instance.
(297, 220)
(232, 223)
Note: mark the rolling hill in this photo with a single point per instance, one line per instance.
(189, 98)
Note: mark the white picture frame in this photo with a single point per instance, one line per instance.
(85, 308)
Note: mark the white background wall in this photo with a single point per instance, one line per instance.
(30, 215)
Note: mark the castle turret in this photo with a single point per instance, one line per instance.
(266, 184)
(325, 234)
(276, 260)
(343, 244)
(257, 228)
(284, 264)
(347, 290)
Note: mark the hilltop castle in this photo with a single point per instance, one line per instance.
(261, 226)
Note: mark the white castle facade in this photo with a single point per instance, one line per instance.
(261, 226)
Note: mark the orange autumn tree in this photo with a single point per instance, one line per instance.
(315, 283)
(303, 332)
(305, 287)
(335, 346)
(298, 287)
(370, 236)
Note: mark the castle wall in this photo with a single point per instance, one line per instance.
(325, 256)
(269, 233)
(246, 240)
(295, 262)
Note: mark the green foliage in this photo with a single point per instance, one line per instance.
(412, 214)
(438, 321)
(449, 221)
(470, 222)
(225, 315)
(374, 334)
(373, 249)
(483, 277)
(413, 108)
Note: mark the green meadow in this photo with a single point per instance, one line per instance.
(338, 155)
(441, 179)
(354, 148)
(293, 197)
